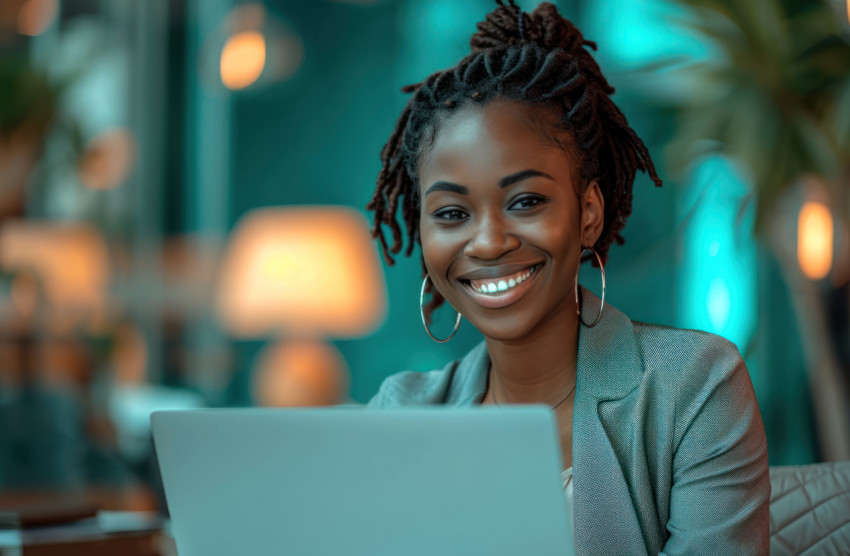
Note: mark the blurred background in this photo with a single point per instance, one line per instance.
(182, 185)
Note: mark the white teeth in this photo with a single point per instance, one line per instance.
(503, 285)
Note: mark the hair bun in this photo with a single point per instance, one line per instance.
(508, 25)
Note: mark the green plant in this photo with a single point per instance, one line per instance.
(775, 97)
(28, 101)
(30, 112)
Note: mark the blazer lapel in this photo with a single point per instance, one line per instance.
(609, 367)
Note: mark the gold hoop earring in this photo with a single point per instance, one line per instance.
(422, 314)
(601, 305)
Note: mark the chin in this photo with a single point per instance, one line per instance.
(507, 329)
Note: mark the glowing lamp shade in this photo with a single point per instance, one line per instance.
(243, 59)
(814, 240)
(302, 270)
(70, 262)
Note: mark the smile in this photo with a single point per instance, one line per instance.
(495, 293)
(504, 283)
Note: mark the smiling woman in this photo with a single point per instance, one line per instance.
(513, 213)
(507, 169)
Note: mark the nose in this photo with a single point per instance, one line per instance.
(491, 238)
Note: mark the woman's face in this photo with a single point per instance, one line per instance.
(502, 222)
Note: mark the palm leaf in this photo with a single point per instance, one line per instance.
(776, 98)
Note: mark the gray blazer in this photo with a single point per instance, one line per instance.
(669, 450)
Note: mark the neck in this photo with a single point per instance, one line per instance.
(539, 369)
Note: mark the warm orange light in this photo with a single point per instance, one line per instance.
(70, 262)
(35, 16)
(302, 269)
(300, 373)
(108, 159)
(243, 59)
(814, 240)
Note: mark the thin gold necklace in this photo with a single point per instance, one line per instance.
(497, 404)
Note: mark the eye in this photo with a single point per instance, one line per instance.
(527, 203)
(449, 214)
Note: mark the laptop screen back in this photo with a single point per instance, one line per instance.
(361, 481)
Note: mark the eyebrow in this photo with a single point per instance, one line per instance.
(447, 186)
(507, 181)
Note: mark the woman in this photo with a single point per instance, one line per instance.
(508, 169)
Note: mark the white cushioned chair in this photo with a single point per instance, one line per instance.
(810, 509)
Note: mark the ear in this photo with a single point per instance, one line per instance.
(592, 214)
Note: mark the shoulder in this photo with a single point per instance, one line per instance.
(713, 456)
(459, 382)
(694, 370)
(686, 356)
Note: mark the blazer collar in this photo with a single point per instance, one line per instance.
(609, 367)
(609, 359)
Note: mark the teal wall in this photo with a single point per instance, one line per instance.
(316, 138)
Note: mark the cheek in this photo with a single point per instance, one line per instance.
(558, 236)
(439, 251)
(434, 251)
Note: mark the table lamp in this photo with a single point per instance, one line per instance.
(304, 273)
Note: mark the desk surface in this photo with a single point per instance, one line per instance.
(134, 498)
(109, 533)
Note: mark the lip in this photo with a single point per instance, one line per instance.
(500, 299)
(492, 272)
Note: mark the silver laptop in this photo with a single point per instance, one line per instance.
(425, 481)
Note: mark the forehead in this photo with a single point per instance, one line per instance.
(499, 137)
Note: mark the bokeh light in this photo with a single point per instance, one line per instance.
(243, 59)
(251, 48)
(719, 304)
(814, 240)
(717, 288)
(70, 262)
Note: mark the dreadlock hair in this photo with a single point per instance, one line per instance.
(536, 58)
